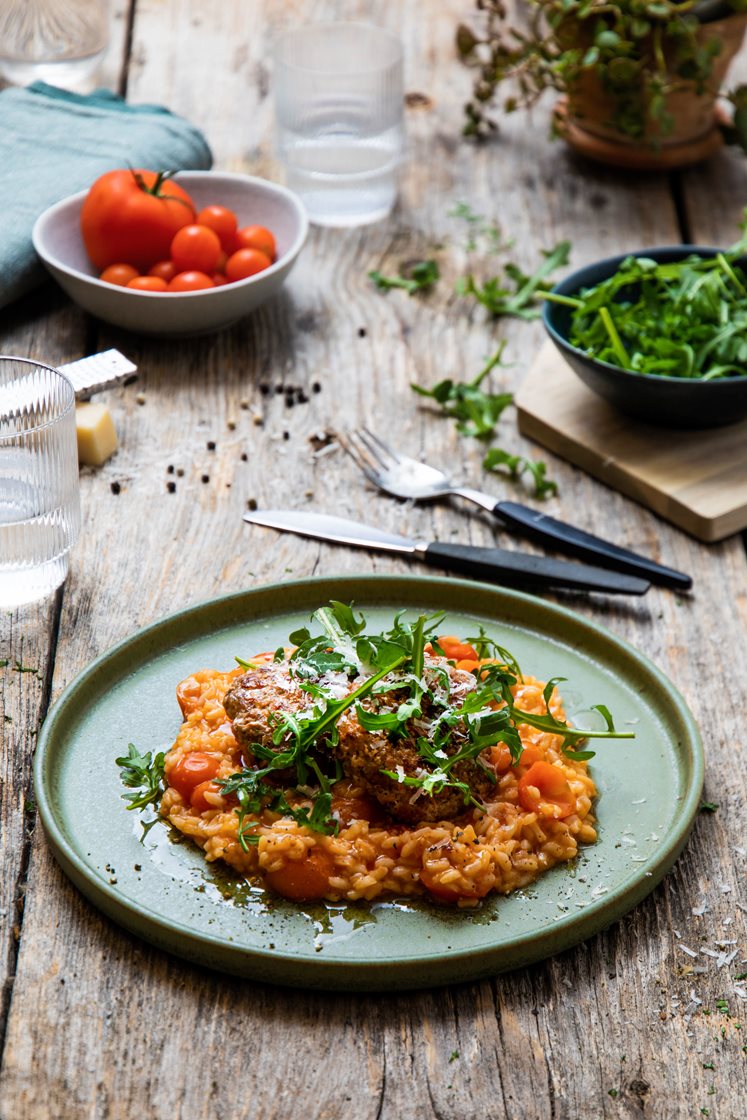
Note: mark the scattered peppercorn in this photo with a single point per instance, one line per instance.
(279, 388)
(286, 435)
(230, 424)
(170, 469)
(211, 445)
(244, 457)
(205, 478)
(301, 397)
(251, 503)
(180, 472)
(289, 401)
(316, 387)
(244, 403)
(171, 487)
(361, 332)
(115, 487)
(140, 398)
(264, 388)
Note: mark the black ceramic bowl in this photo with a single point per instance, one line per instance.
(667, 401)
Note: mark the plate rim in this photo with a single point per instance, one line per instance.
(367, 974)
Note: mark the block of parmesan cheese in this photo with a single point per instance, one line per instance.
(97, 436)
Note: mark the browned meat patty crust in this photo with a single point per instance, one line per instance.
(258, 695)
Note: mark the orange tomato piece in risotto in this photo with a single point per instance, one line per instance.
(515, 807)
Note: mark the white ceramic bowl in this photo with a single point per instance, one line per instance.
(57, 240)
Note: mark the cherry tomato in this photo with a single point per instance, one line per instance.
(246, 262)
(219, 279)
(192, 770)
(198, 801)
(148, 284)
(454, 648)
(190, 281)
(544, 790)
(119, 274)
(221, 265)
(256, 237)
(165, 269)
(348, 806)
(132, 216)
(303, 880)
(222, 221)
(196, 247)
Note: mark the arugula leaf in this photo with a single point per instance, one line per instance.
(417, 276)
(517, 466)
(477, 412)
(683, 319)
(142, 772)
(513, 292)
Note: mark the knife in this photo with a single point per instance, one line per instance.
(496, 565)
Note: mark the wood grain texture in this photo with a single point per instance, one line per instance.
(698, 481)
(102, 1026)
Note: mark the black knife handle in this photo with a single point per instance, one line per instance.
(545, 530)
(520, 569)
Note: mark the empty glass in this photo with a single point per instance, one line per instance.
(339, 107)
(57, 41)
(39, 495)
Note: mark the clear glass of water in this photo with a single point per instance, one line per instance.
(339, 110)
(57, 41)
(39, 491)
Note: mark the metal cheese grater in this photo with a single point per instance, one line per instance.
(98, 371)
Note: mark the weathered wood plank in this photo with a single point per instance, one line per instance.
(550, 1041)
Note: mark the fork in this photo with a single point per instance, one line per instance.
(403, 477)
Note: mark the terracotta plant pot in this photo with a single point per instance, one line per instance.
(585, 118)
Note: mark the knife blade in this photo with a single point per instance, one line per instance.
(495, 565)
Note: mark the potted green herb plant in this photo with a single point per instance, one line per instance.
(639, 78)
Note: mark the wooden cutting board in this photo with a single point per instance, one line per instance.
(696, 479)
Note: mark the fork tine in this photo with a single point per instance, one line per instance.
(360, 456)
(385, 455)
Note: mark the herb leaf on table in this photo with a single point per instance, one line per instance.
(512, 291)
(417, 276)
(476, 410)
(518, 465)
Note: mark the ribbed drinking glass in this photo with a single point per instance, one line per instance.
(339, 109)
(39, 492)
(57, 41)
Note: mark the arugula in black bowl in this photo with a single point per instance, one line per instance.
(661, 333)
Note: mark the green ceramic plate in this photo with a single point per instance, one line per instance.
(165, 892)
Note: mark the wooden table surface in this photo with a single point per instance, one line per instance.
(93, 1022)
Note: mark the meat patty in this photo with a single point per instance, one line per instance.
(364, 754)
(254, 698)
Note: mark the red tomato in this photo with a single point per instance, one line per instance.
(455, 649)
(246, 262)
(219, 279)
(165, 269)
(196, 247)
(544, 790)
(119, 274)
(198, 801)
(192, 770)
(132, 216)
(220, 220)
(256, 237)
(191, 281)
(148, 284)
(303, 880)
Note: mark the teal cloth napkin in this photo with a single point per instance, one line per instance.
(54, 143)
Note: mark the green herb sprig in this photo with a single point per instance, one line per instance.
(476, 410)
(144, 774)
(416, 276)
(518, 465)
